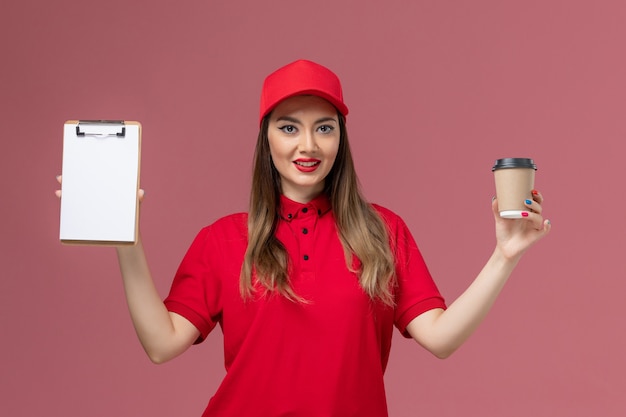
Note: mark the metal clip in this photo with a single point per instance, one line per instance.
(101, 128)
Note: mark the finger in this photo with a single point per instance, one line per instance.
(535, 219)
(537, 196)
(58, 192)
(494, 206)
(141, 193)
(547, 225)
(533, 206)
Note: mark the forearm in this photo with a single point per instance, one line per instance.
(442, 332)
(152, 322)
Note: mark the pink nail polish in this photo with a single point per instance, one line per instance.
(524, 214)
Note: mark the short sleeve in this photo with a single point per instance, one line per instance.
(194, 291)
(416, 291)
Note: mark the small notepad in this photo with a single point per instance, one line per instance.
(101, 166)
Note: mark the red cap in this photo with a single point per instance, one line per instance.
(301, 77)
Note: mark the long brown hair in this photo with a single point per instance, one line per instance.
(362, 232)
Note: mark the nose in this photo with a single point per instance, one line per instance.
(308, 142)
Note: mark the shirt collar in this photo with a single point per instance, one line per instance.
(290, 209)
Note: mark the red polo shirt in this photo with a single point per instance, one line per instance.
(322, 358)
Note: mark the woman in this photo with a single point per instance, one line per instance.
(308, 286)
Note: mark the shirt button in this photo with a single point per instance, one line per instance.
(289, 216)
(306, 257)
(319, 212)
(304, 210)
(305, 231)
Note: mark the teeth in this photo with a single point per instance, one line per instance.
(306, 164)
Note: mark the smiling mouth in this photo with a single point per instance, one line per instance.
(307, 164)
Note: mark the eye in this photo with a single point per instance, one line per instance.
(288, 129)
(326, 129)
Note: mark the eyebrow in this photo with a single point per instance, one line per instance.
(297, 121)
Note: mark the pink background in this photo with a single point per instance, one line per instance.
(437, 91)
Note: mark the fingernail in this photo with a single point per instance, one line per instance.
(534, 192)
(524, 214)
(528, 202)
(493, 198)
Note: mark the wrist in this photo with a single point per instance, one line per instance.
(504, 258)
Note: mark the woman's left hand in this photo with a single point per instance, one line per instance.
(515, 236)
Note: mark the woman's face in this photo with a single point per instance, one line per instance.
(303, 137)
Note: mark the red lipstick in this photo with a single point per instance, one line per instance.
(307, 164)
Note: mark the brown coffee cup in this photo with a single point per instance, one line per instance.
(515, 180)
